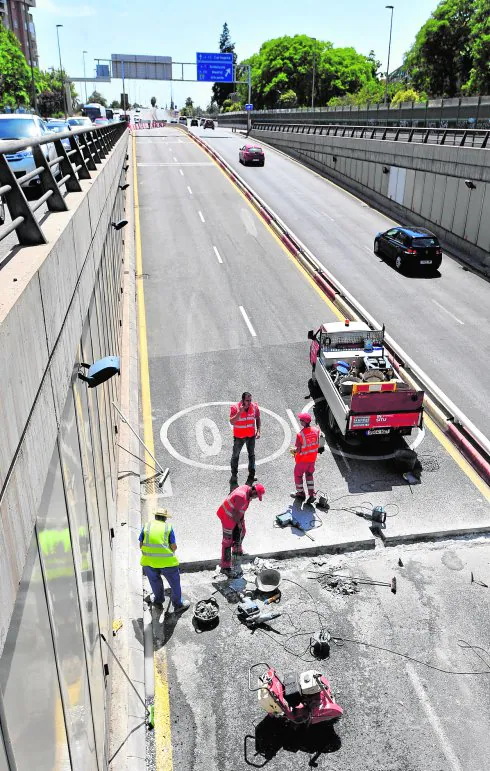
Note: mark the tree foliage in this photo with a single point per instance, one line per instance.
(97, 98)
(222, 91)
(15, 73)
(451, 52)
(285, 65)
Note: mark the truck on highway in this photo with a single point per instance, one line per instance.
(364, 395)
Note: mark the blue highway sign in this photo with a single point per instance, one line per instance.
(249, 106)
(214, 68)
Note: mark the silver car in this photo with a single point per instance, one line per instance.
(24, 126)
(57, 127)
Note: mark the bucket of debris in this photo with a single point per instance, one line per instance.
(206, 613)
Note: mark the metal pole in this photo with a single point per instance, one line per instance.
(33, 84)
(123, 93)
(313, 79)
(61, 69)
(249, 98)
(84, 75)
(389, 51)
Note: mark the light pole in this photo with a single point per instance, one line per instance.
(391, 7)
(85, 76)
(61, 69)
(313, 78)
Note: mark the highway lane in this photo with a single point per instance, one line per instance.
(442, 322)
(217, 327)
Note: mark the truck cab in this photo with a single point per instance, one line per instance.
(364, 394)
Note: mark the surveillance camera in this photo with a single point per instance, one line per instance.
(470, 184)
(119, 225)
(124, 187)
(100, 370)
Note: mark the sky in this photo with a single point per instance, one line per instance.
(180, 29)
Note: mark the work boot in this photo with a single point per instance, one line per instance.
(228, 572)
(233, 479)
(311, 499)
(184, 605)
(299, 496)
(251, 478)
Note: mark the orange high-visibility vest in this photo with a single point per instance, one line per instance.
(245, 425)
(309, 438)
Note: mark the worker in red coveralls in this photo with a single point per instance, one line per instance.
(305, 452)
(232, 516)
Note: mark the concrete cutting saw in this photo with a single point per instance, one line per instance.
(305, 698)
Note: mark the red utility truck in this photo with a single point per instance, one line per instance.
(364, 394)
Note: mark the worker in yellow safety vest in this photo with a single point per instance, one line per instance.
(158, 546)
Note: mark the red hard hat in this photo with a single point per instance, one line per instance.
(305, 417)
(260, 490)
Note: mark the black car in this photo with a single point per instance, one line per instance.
(208, 123)
(194, 122)
(409, 247)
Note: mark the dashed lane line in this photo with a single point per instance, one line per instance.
(247, 321)
(201, 216)
(218, 257)
(190, 191)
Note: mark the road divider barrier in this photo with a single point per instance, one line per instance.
(458, 428)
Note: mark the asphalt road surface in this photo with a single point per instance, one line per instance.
(399, 714)
(441, 321)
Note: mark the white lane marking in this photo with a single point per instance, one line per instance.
(217, 255)
(185, 163)
(202, 218)
(444, 743)
(448, 312)
(342, 455)
(181, 172)
(247, 321)
(368, 248)
(328, 216)
(198, 464)
(190, 191)
(175, 159)
(293, 421)
(204, 446)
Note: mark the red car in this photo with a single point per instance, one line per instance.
(251, 154)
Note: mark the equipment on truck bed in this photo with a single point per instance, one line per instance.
(364, 394)
(303, 698)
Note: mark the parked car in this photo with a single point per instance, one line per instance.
(251, 154)
(25, 126)
(208, 123)
(194, 122)
(57, 127)
(101, 122)
(202, 121)
(409, 247)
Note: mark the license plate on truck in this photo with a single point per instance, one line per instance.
(384, 421)
(426, 262)
(373, 431)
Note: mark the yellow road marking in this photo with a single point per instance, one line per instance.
(163, 735)
(466, 467)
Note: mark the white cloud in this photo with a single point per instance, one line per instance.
(76, 10)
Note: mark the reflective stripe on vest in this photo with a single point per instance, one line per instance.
(310, 441)
(232, 511)
(155, 547)
(245, 425)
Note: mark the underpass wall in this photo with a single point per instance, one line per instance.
(414, 183)
(59, 306)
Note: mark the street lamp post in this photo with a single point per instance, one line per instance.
(391, 7)
(85, 76)
(61, 69)
(313, 78)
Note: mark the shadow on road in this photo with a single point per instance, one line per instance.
(273, 734)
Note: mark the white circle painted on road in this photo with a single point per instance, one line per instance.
(206, 448)
(353, 456)
(199, 464)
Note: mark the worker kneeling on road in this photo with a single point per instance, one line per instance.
(232, 516)
(158, 546)
(305, 452)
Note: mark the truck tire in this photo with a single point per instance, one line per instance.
(314, 388)
(331, 422)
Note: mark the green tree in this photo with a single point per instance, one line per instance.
(115, 105)
(97, 98)
(50, 88)
(479, 77)
(407, 95)
(288, 98)
(15, 74)
(440, 60)
(221, 91)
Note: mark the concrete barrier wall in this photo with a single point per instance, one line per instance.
(44, 300)
(415, 183)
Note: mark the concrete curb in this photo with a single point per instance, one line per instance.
(127, 728)
(307, 551)
(435, 535)
(468, 440)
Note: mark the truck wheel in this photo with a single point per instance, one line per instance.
(331, 422)
(314, 388)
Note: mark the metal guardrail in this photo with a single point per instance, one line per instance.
(477, 138)
(88, 148)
